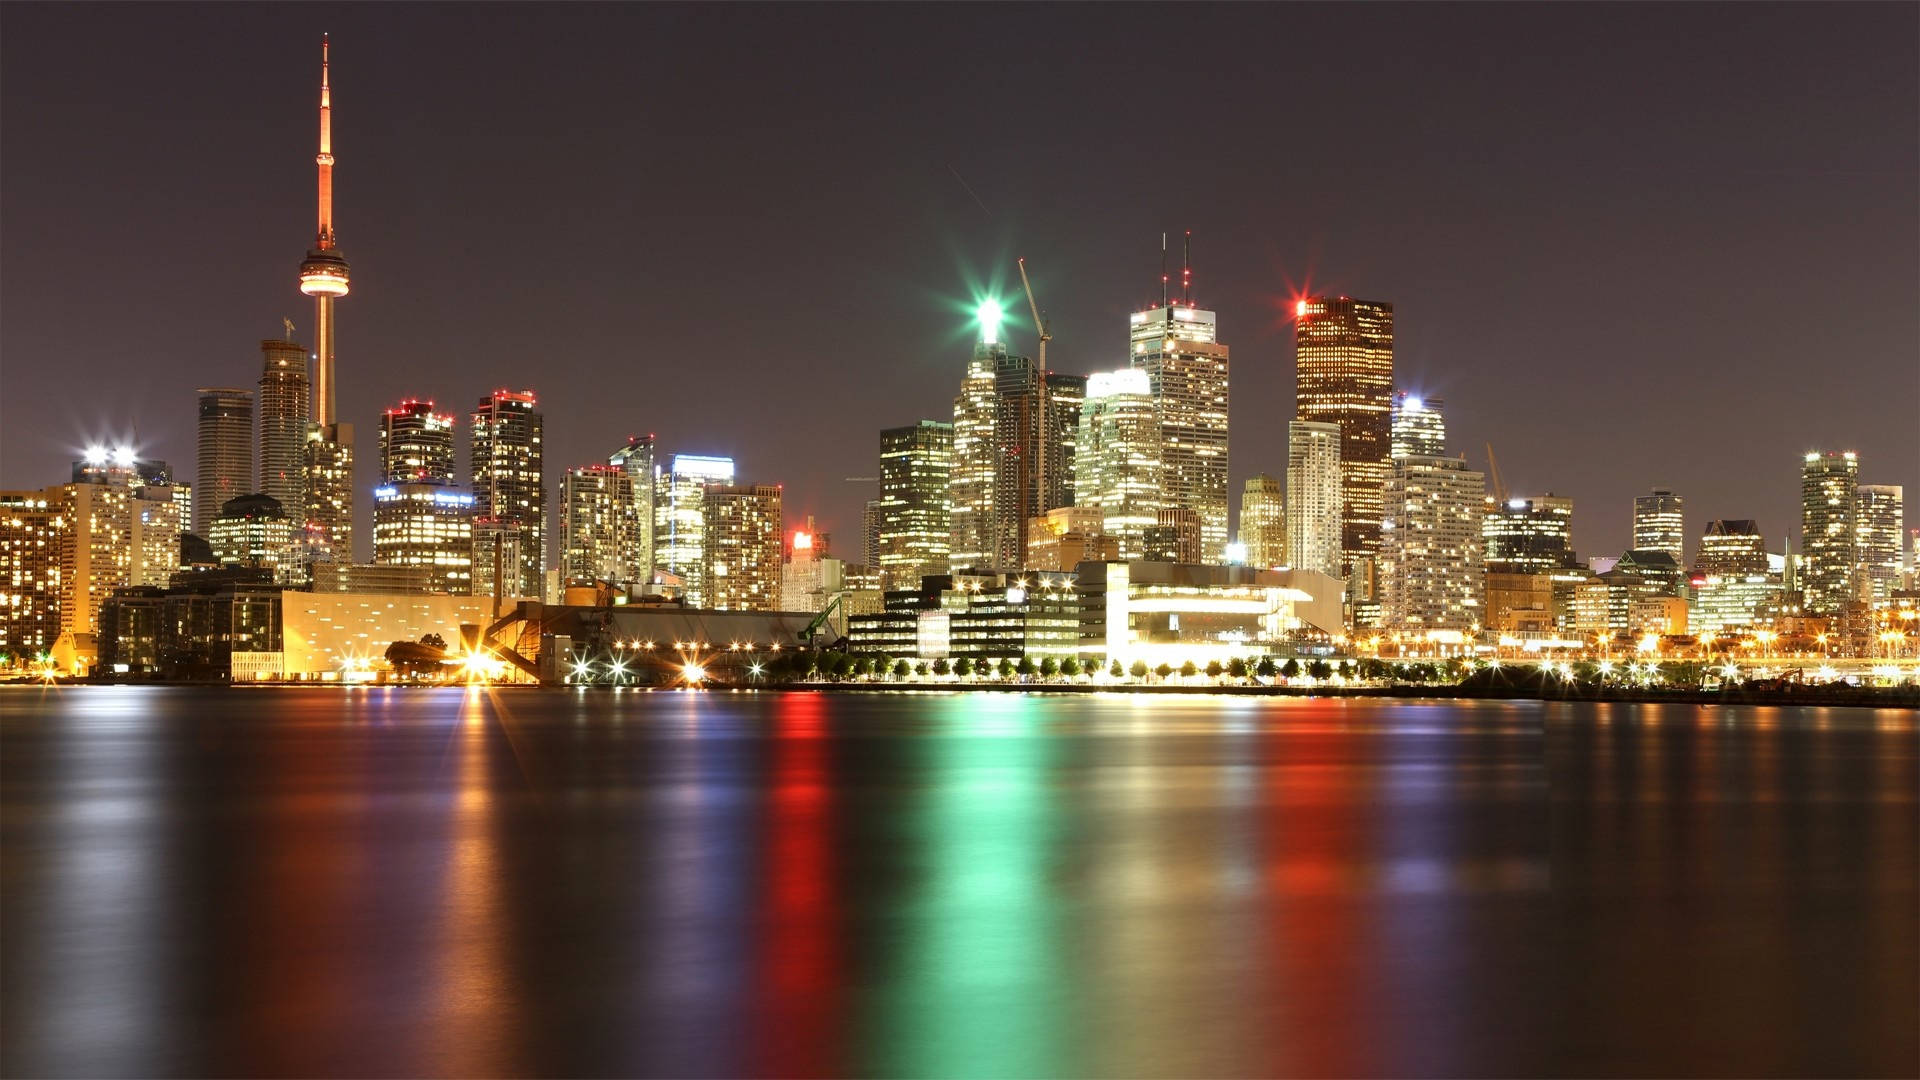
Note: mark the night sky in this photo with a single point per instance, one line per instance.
(1630, 245)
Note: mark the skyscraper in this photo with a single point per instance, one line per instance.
(916, 469)
(1659, 524)
(416, 444)
(601, 534)
(1417, 426)
(1829, 522)
(743, 547)
(226, 451)
(1528, 534)
(508, 462)
(283, 422)
(427, 524)
(971, 493)
(680, 519)
(1065, 394)
(637, 458)
(1343, 350)
(1019, 421)
(1732, 548)
(1119, 462)
(1313, 497)
(1263, 521)
(1431, 575)
(1177, 345)
(1880, 523)
(30, 526)
(327, 458)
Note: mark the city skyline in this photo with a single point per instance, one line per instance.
(1095, 263)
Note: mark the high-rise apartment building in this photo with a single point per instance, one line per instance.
(1178, 346)
(974, 542)
(1119, 463)
(508, 463)
(743, 547)
(637, 458)
(1314, 506)
(914, 526)
(1064, 395)
(283, 422)
(1880, 522)
(327, 457)
(1174, 536)
(1343, 353)
(226, 451)
(429, 525)
(1528, 535)
(1732, 548)
(253, 531)
(1263, 521)
(680, 519)
(1431, 575)
(601, 534)
(30, 527)
(327, 467)
(1829, 524)
(1417, 425)
(1660, 525)
(416, 444)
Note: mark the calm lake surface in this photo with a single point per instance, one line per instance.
(569, 883)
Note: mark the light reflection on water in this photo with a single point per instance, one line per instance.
(475, 882)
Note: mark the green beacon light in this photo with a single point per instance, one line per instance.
(990, 315)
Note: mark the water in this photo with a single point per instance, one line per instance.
(450, 882)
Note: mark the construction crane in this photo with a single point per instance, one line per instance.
(862, 479)
(1045, 334)
(1493, 473)
(1037, 468)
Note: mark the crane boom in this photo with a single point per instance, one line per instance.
(1493, 472)
(1040, 323)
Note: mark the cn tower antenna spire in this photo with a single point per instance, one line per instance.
(325, 158)
(324, 275)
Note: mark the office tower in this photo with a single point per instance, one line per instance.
(1829, 523)
(154, 520)
(1263, 521)
(508, 463)
(426, 524)
(1343, 352)
(1119, 462)
(973, 543)
(416, 444)
(914, 526)
(1417, 426)
(680, 519)
(96, 544)
(1314, 522)
(637, 458)
(1528, 535)
(327, 457)
(870, 533)
(283, 422)
(226, 451)
(743, 547)
(1177, 345)
(1658, 524)
(30, 527)
(1066, 536)
(1431, 575)
(499, 565)
(1879, 525)
(601, 534)
(1019, 421)
(252, 531)
(1064, 395)
(1732, 548)
(1174, 536)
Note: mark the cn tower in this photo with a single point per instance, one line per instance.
(323, 275)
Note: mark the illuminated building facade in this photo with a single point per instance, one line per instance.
(30, 527)
(1732, 548)
(1519, 603)
(600, 534)
(1066, 536)
(508, 463)
(1178, 347)
(973, 541)
(1417, 426)
(743, 524)
(1012, 457)
(155, 535)
(1431, 574)
(283, 422)
(1731, 602)
(1528, 534)
(416, 444)
(1880, 522)
(252, 531)
(225, 451)
(1174, 536)
(913, 524)
(1314, 522)
(1343, 353)
(1659, 523)
(1155, 611)
(427, 525)
(1064, 395)
(680, 519)
(1829, 531)
(637, 458)
(1120, 462)
(327, 457)
(1263, 521)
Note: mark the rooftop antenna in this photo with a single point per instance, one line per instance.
(288, 323)
(1163, 269)
(1186, 270)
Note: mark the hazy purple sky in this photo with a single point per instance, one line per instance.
(1630, 245)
